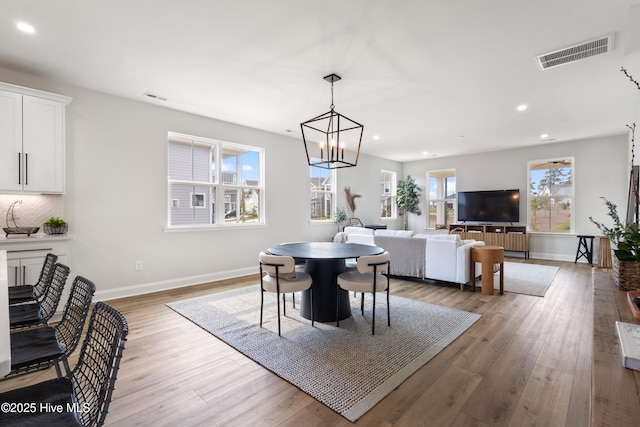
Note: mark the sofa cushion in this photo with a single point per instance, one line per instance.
(395, 233)
(363, 239)
(452, 237)
(439, 236)
(358, 230)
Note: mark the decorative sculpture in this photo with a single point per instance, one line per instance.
(351, 200)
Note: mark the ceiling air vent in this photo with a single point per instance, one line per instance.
(152, 96)
(576, 52)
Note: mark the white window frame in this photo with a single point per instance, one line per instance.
(215, 184)
(440, 200)
(391, 192)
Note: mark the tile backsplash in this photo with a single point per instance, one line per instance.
(34, 209)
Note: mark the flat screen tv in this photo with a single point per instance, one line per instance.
(489, 206)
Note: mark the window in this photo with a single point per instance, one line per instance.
(442, 198)
(551, 195)
(388, 195)
(204, 174)
(322, 191)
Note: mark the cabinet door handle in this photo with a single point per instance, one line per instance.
(26, 168)
(20, 168)
(24, 274)
(15, 276)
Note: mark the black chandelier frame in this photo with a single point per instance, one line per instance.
(331, 125)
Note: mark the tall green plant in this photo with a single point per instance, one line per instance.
(612, 233)
(625, 237)
(408, 198)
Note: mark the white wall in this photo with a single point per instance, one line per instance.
(115, 200)
(116, 194)
(601, 169)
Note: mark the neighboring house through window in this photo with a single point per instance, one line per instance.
(388, 206)
(322, 193)
(551, 195)
(442, 198)
(214, 183)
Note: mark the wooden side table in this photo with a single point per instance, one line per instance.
(488, 256)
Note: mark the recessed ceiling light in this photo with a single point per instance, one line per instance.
(376, 137)
(522, 107)
(424, 153)
(544, 136)
(25, 27)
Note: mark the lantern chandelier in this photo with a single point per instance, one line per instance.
(332, 140)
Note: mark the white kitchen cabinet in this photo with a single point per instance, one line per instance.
(32, 134)
(10, 140)
(24, 271)
(25, 258)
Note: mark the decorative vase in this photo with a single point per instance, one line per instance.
(56, 230)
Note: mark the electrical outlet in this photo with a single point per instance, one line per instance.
(138, 265)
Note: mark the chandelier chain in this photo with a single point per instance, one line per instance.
(332, 106)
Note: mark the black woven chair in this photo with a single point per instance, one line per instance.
(39, 313)
(40, 348)
(85, 394)
(31, 293)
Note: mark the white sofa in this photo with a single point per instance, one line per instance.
(426, 256)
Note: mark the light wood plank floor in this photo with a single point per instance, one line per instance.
(526, 362)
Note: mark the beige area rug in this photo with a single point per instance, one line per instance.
(346, 368)
(523, 278)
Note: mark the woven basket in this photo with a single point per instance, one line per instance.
(55, 230)
(626, 274)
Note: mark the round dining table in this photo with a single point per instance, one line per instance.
(324, 262)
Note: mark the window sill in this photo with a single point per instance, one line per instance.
(200, 228)
(315, 223)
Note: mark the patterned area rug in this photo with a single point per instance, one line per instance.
(346, 368)
(528, 279)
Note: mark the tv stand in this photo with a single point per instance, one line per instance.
(512, 238)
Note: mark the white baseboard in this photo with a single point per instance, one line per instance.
(552, 257)
(146, 288)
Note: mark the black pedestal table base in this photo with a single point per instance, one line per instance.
(324, 273)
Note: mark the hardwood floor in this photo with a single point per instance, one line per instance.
(527, 361)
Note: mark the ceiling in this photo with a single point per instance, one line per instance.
(442, 77)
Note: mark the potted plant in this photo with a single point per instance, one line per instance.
(408, 198)
(340, 217)
(626, 254)
(55, 226)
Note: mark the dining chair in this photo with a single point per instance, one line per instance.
(40, 312)
(282, 278)
(40, 348)
(372, 275)
(30, 293)
(301, 265)
(84, 394)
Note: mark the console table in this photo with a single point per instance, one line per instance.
(512, 238)
(614, 390)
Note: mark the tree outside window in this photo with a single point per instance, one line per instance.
(551, 196)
